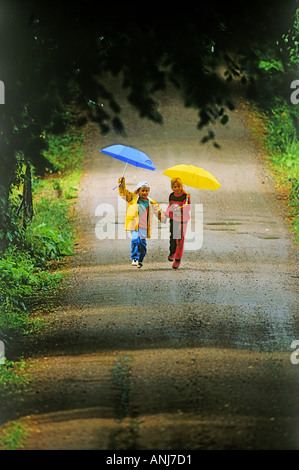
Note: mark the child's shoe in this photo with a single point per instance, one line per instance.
(171, 257)
(176, 264)
(139, 265)
(135, 262)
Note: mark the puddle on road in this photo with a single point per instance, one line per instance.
(269, 238)
(229, 226)
(224, 223)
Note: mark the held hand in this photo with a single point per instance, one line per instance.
(187, 202)
(176, 210)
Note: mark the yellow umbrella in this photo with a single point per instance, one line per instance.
(193, 176)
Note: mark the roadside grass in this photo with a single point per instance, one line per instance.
(21, 282)
(12, 435)
(27, 266)
(31, 268)
(15, 378)
(276, 134)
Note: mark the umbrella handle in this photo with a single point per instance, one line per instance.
(121, 176)
(124, 170)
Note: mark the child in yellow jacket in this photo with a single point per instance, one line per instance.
(139, 218)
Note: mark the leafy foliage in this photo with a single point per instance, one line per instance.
(279, 66)
(20, 280)
(50, 235)
(24, 264)
(283, 143)
(14, 377)
(12, 436)
(65, 152)
(283, 132)
(56, 56)
(291, 41)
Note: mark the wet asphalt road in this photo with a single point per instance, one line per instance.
(154, 358)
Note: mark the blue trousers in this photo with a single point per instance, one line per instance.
(138, 245)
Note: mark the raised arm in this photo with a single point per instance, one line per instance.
(123, 191)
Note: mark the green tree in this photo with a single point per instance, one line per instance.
(53, 55)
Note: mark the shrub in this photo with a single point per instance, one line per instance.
(283, 143)
(20, 281)
(65, 151)
(51, 234)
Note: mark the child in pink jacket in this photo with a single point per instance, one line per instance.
(178, 212)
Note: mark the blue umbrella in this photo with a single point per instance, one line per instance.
(129, 155)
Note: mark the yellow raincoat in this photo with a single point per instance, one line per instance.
(132, 216)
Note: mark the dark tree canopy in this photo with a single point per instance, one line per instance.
(53, 54)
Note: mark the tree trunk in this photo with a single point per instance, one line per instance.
(27, 197)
